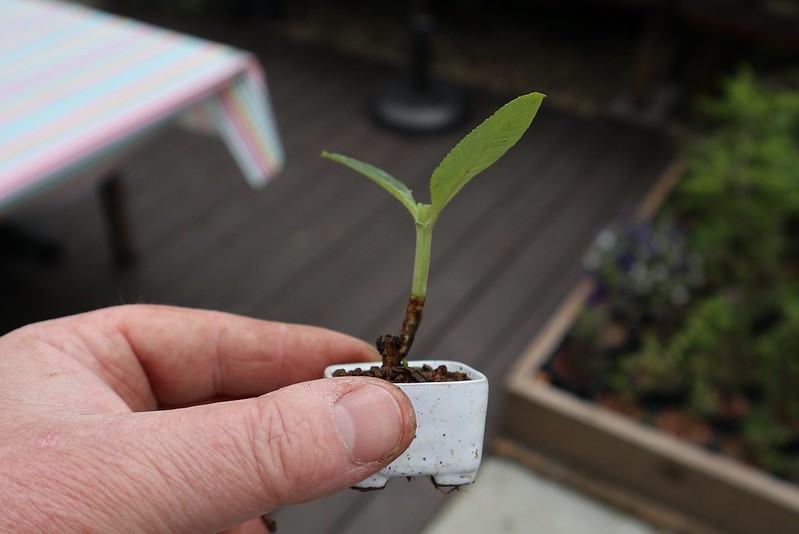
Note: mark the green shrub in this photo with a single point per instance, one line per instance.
(652, 371)
(778, 356)
(742, 187)
(710, 288)
(716, 349)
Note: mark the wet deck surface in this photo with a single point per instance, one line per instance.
(321, 245)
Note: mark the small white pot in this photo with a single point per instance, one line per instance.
(450, 423)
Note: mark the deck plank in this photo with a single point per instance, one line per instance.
(321, 245)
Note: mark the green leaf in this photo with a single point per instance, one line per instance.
(481, 148)
(380, 177)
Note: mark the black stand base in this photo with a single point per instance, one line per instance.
(405, 107)
(419, 104)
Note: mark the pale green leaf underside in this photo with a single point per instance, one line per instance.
(399, 190)
(481, 148)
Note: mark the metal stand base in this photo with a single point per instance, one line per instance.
(419, 104)
(403, 106)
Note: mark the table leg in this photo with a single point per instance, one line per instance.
(115, 210)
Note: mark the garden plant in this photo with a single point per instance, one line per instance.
(704, 299)
(473, 154)
(450, 398)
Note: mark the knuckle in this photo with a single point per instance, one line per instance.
(280, 436)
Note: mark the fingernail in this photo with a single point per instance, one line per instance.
(369, 421)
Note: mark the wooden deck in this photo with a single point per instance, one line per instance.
(321, 245)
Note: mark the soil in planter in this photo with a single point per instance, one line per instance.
(408, 375)
(721, 430)
(682, 425)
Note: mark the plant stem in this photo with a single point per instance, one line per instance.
(421, 262)
(394, 349)
(421, 270)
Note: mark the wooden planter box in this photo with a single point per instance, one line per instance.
(707, 491)
(638, 467)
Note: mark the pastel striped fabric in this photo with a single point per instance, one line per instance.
(79, 88)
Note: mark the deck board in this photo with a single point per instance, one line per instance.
(320, 245)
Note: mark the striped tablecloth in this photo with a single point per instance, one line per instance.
(79, 88)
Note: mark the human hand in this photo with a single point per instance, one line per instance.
(147, 418)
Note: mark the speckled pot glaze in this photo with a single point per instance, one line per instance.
(450, 422)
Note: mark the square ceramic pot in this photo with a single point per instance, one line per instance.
(450, 423)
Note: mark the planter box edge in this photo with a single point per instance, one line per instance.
(706, 485)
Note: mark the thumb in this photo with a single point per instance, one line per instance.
(208, 467)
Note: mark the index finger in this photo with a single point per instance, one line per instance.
(191, 355)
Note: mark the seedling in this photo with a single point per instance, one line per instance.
(473, 154)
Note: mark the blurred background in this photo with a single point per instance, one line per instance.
(687, 106)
